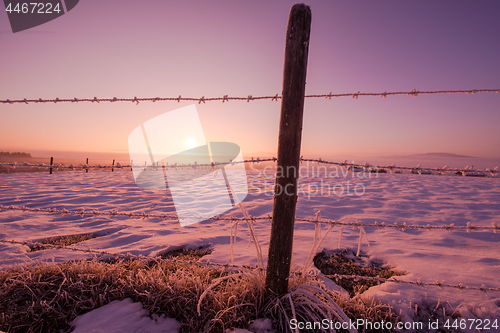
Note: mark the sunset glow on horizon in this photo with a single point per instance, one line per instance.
(215, 48)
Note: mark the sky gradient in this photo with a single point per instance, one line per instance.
(116, 48)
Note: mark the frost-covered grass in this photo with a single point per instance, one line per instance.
(428, 256)
(60, 241)
(345, 262)
(187, 254)
(46, 297)
(310, 301)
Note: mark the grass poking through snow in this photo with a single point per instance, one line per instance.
(345, 262)
(59, 241)
(46, 297)
(187, 254)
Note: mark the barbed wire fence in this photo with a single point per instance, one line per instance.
(227, 98)
(354, 167)
(343, 222)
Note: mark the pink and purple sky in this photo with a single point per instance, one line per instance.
(115, 48)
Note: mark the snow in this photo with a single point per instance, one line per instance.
(123, 317)
(257, 326)
(472, 259)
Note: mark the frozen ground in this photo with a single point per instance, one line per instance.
(472, 259)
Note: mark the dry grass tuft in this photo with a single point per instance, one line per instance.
(59, 241)
(345, 262)
(45, 297)
(310, 301)
(187, 254)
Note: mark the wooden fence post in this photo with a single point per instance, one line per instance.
(113, 166)
(87, 164)
(51, 162)
(290, 133)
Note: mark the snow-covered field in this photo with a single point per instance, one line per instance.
(472, 259)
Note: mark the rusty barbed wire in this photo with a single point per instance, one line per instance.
(413, 92)
(62, 166)
(94, 213)
(118, 165)
(226, 98)
(417, 283)
(403, 226)
(400, 226)
(122, 166)
(366, 167)
(136, 100)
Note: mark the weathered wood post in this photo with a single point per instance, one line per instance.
(290, 133)
(51, 162)
(113, 166)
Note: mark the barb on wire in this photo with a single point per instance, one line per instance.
(226, 98)
(342, 222)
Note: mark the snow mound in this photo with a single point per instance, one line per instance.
(123, 317)
(258, 326)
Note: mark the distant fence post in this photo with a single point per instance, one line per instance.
(113, 166)
(290, 134)
(87, 164)
(51, 162)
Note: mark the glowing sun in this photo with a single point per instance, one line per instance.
(190, 143)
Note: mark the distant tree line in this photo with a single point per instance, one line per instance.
(15, 154)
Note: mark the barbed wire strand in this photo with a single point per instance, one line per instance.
(226, 98)
(120, 166)
(377, 279)
(366, 167)
(401, 226)
(378, 168)
(418, 283)
(124, 255)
